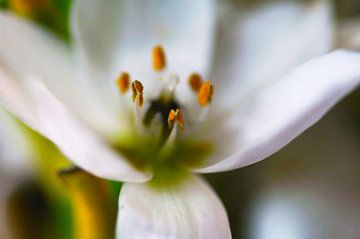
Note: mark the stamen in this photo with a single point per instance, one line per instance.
(140, 99)
(138, 120)
(133, 92)
(123, 82)
(176, 115)
(171, 118)
(195, 82)
(170, 141)
(206, 93)
(179, 119)
(138, 87)
(137, 90)
(158, 56)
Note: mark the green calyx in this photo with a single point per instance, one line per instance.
(169, 164)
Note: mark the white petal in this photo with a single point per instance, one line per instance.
(26, 49)
(14, 151)
(275, 115)
(190, 210)
(114, 36)
(34, 105)
(266, 42)
(16, 99)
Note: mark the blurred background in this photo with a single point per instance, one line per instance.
(309, 189)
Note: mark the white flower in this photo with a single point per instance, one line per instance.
(70, 96)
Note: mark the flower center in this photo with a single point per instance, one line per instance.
(160, 122)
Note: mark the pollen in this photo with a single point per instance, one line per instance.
(137, 90)
(195, 82)
(123, 82)
(206, 93)
(176, 116)
(158, 57)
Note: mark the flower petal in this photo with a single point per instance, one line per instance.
(276, 114)
(14, 151)
(35, 105)
(190, 210)
(26, 49)
(264, 43)
(113, 36)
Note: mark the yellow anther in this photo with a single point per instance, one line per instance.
(123, 82)
(140, 99)
(137, 90)
(171, 118)
(158, 57)
(195, 82)
(138, 86)
(179, 119)
(133, 92)
(206, 93)
(176, 116)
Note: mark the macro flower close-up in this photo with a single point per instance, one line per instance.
(154, 94)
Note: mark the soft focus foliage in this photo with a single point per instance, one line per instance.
(53, 14)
